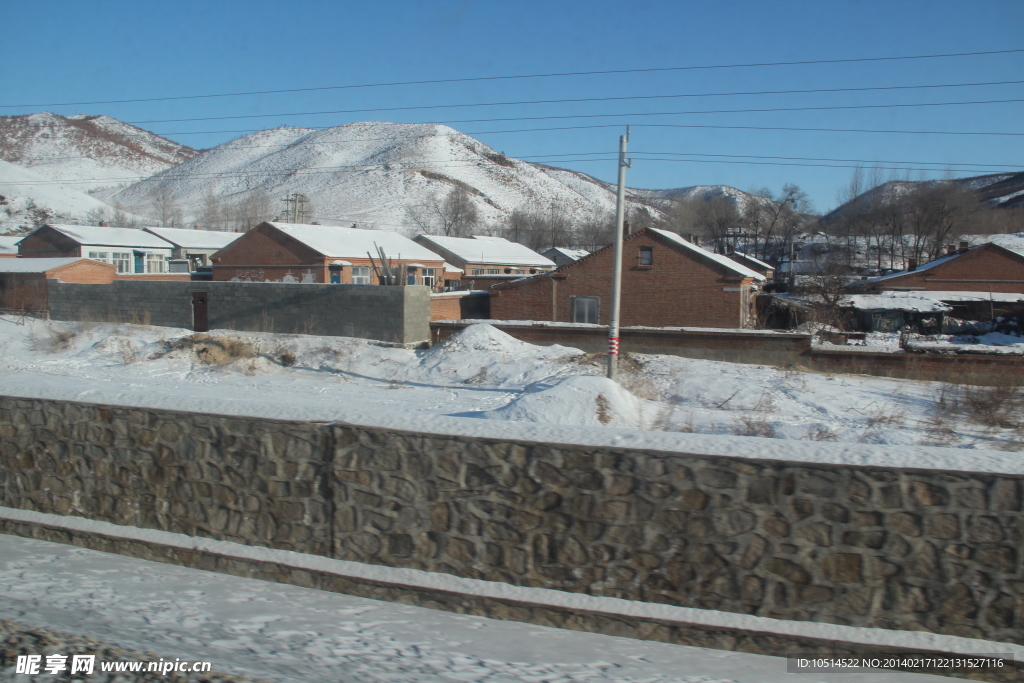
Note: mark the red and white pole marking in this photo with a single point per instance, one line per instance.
(613, 346)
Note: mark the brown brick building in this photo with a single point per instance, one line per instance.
(286, 252)
(129, 250)
(23, 280)
(987, 267)
(666, 282)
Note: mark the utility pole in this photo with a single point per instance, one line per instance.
(295, 208)
(620, 211)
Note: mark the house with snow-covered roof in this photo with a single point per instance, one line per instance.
(482, 255)
(563, 255)
(131, 251)
(297, 253)
(196, 245)
(666, 282)
(988, 267)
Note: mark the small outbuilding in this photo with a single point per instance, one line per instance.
(23, 280)
(196, 246)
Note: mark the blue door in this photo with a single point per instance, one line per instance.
(140, 262)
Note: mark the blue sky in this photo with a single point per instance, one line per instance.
(78, 52)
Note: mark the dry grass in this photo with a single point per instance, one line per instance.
(753, 424)
(213, 350)
(995, 405)
(55, 340)
(822, 433)
(604, 409)
(125, 351)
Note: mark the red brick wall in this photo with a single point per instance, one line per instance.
(679, 289)
(445, 307)
(974, 271)
(85, 272)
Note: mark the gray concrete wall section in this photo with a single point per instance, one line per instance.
(391, 314)
(868, 546)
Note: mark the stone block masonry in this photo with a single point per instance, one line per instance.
(391, 314)
(868, 546)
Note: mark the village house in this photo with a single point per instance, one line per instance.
(486, 260)
(983, 268)
(666, 282)
(196, 246)
(754, 264)
(563, 255)
(23, 280)
(135, 252)
(288, 252)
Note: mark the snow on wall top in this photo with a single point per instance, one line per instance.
(195, 239)
(93, 236)
(488, 250)
(717, 258)
(35, 265)
(356, 242)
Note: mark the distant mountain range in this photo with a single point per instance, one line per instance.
(371, 174)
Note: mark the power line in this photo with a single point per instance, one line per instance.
(527, 76)
(579, 100)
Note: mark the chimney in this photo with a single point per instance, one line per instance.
(950, 249)
(963, 247)
(911, 264)
(199, 227)
(104, 224)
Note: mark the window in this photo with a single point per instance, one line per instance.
(493, 271)
(428, 277)
(100, 256)
(156, 263)
(123, 261)
(646, 256)
(478, 271)
(585, 309)
(360, 275)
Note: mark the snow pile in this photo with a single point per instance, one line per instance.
(586, 401)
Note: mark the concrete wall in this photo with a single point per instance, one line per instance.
(737, 346)
(936, 551)
(391, 314)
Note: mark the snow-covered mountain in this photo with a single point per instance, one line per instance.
(372, 174)
(662, 198)
(87, 153)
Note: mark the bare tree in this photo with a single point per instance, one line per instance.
(453, 215)
(213, 211)
(168, 213)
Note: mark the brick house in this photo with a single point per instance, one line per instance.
(486, 260)
(23, 280)
(131, 251)
(197, 246)
(288, 252)
(766, 269)
(666, 282)
(984, 268)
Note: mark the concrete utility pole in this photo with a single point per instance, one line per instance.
(620, 212)
(295, 208)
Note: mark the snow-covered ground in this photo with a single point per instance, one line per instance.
(484, 382)
(279, 632)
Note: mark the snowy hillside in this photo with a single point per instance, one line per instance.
(662, 198)
(87, 152)
(371, 173)
(28, 199)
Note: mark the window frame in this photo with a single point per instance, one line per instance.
(360, 275)
(575, 300)
(648, 253)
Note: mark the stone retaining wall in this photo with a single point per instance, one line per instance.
(863, 546)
